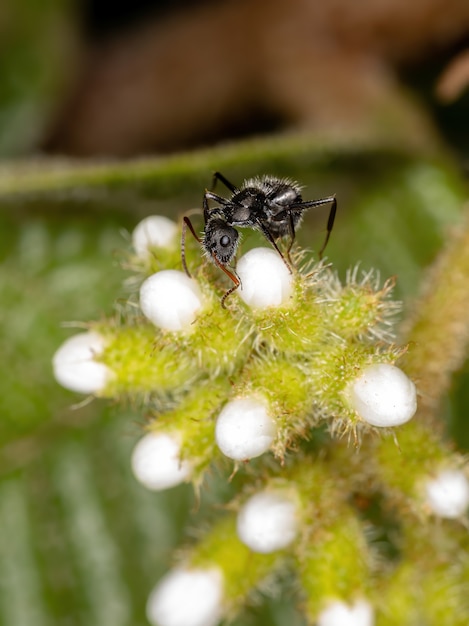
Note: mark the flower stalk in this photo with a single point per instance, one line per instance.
(295, 368)
(438, 328)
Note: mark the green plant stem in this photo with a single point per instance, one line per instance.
(438, 330)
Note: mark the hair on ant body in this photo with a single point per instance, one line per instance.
(273, 206)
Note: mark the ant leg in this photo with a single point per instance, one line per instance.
(308, 204)
(209, 195)
(292, 236)
(186, 223)
(271, 240)
(330, 222)
(330, 225)
(206, 209)
(231, 275)
(222, 179)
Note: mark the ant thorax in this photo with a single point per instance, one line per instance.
(271, 186)
(265, 200)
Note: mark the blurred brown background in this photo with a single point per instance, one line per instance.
(159, 76)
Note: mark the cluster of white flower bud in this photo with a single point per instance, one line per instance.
(187, 597)
(246, 427)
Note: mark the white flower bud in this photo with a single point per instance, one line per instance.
(75, 367)
(265, 279)
(156, 462)
(187, 597)
(384, 396)
(170, 299)
(244, 429)
(448, 494)
(155, 231)
(340, 614)
(267, 522)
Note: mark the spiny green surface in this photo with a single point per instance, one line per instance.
(80, 541)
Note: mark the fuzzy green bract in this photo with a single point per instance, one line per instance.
(299, 358)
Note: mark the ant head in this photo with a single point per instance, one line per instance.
(220, 240)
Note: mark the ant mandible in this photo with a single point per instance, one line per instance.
(273, 206)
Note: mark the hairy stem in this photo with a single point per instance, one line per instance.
(438, 330)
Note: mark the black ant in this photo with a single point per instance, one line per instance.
(273, 206)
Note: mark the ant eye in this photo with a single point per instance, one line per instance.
(225, 241)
